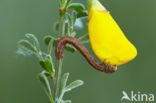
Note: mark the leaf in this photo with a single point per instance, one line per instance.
(64, 80)
(26, 44)
(48, 38)
(74, 16)
(24, 51)
(67, 101)
(84, 38)
(50, 46)
(48, 66)
(73, 34)
(66, 3)
(73, 85)
(44, 80)
(70, 48)
(56, 26)
(61, 1)
(34, 40)
(82, 14)
(79, 7)
(69, 20)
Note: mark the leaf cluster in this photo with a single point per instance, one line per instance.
(74, 14)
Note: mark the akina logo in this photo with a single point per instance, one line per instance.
(137, 97)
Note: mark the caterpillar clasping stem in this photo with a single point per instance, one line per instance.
(61, 44)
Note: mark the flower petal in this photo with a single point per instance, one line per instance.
(107, 40)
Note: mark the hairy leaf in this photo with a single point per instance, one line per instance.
(34, 40)
(67, 101)
(44, 80)
(84, 38)
(48, 66)
(48, 38)
(24, 51)
(64, 80)
(26, 44)
(73, 85)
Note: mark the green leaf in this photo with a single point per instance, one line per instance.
(45, 81)
(64, 80)
(24, 51)
(84, 38)
(73, 34)
(79, 7)
(48, 66)
(66, 3)
(50, 46)
(69, 20)
(34, 40)
(43, 78)
(26, 44)
(61, 1)
(82, 14)
(70, 48)
(67, 101)
(74, 16)
(56, 26)
(48, 38)
(73, 85)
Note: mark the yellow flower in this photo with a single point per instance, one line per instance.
(107, 39)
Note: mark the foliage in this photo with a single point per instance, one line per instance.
(73, 13)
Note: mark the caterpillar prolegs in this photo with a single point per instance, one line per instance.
(61, 44)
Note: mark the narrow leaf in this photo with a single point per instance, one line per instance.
(74, 14)
(61, 1)
(45, 81)
(66, 3)
(79, 7)
(50, 46)
(34, 40)
(70, 48)
(43, 78)
(73, 85)
(69, 20)
(48, 38)
(26, 44)
(64, 80)
(84, 38)
(24, 51)
(73, 34)
(67, 101)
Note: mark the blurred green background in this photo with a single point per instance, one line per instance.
(18, 75)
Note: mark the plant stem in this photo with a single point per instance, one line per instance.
(58, 77)
(61, 96)
(61, 24)
(59, 61)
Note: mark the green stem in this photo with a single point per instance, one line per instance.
(58, 77)
(61, 96)
(59, 61)
(62, 24)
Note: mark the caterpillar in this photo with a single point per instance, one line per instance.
(61, 45)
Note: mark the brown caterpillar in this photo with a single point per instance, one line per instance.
(61, 44)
